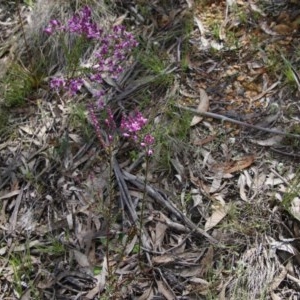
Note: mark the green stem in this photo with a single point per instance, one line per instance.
(109, 212)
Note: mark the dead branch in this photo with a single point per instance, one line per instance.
(244, 124)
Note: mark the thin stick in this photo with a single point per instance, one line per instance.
(226, 119)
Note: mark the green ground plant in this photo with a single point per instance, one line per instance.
(173, 132)
(52, 248)
(292, 193)
(274, 61)
(17, 84)
(24, 273)
(3, 120)
(79, 120)
(151, 59)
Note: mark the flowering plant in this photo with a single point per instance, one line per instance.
(131, 127)
(110, 57)
(110, 54)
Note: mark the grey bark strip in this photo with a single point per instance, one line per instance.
(125, 196)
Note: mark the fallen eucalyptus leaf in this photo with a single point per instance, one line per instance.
(202, 107)
(217, 216)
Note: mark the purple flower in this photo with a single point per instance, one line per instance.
(100, 99)
(75, 85)
(147, 143)
(48, 30)
(57, 83)
(96, 125)
(82, 24)
(109, 121)
(130, 125)
(119, 29)
(100, 104)
(150, 152)
(97, 77)
(53, 25)
(148, 140)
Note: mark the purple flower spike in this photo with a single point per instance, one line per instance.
(147, 143)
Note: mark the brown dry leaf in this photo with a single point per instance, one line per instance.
(216, 184)
(148, 294)
(101, 281)
(207, 261)
(266, 91)
(81, 259)
(202, 107)
(295, 208)
(179, 168)
(272, 141)
(283, 29)
(27, 129)
(222, 294)
(278, 279)
(200, 25)
(22, 247)
(240, 164)
(242, 185)
(275, 296)
(201, 142)
(14, 215)
(130, 246)
(219, 213)
(120, 19)
(160, 231)
(169, 295)
(284, 245)
(163, 259)
(256, 9)
(26, 295)
(10, 194)
(191, 271)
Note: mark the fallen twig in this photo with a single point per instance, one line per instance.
(226, 119)
(167, 204)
